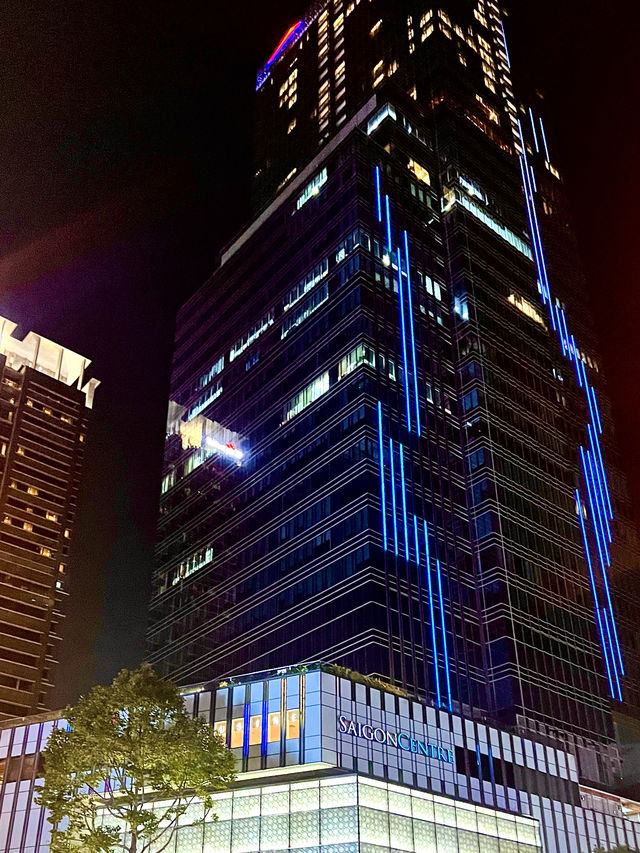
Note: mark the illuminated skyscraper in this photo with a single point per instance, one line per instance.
(44, 410)
(389, 443)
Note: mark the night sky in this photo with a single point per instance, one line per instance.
(125, 156)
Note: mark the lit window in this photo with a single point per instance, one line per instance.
(308, 282)
(305, 397)
(246, 340)
(380, 116)
(419, 171)
(20, 451)
(274, 728)
(6, 520)
(51, 516)
(362, 354)
(221, 729)
(527, 308)
(27, 526)
(305, 310)
(47, 411)
(293, 724)
(312, 188)
(66, 419)
(31, 490)
(45, 552)
(237, 732)
(255, 729)
(292, 125)
(67, 533)
(375, 28)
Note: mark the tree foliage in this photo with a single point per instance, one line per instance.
(131, 759)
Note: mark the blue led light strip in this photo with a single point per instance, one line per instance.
(413, 340)
(432, 613)
(404, 503)
(544, 140)
(382, 485)
(404, 341)
(594, 591)
(378, 194)
(533, 128)
(605, 618)
(417, 541)
(444, 632)
(596, 526)
(388, 212)
(393, 499)
(592, 463)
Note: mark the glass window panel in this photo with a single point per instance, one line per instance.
(274, 832)
(221, 729)
(274, 728)
(255, 729)
(338, 826)
(237, 732)
(401, 832)
(293, 723)
(304, 828)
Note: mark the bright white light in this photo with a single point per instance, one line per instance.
(229, 449)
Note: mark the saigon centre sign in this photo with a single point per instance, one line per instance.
(399, 740)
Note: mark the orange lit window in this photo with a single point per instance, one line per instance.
(255, 730)
(274, 728)
(221, 729)
(237, 732)
(293, 724)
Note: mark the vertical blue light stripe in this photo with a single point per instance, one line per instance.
(444, 632)
(413, 340)
(383, 498)
(404, 503)
(531, 231)
(427, 563)
(605, 654)
(417, 541)
(403, 335)
(593, 438)
(576, 358)
(596, 409)
(605, 618)
(544, 140)
(246, 731)
(533, 128)
(599, 503)
(594, 592)
(599, 481)
(378, 195)
(533, 179)
(563, 320)
(393, 498)
(388, 212)
(504, 41)
(594, 519)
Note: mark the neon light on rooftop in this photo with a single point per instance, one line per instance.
(284, 42)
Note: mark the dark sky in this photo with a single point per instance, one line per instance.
(125, 155)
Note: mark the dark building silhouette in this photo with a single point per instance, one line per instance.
(389, 442)
(44, 412)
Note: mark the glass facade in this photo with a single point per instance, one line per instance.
(330, 762)
(403, 461)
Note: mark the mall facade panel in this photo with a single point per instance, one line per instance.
(334, 764)
(45, 402)
(389, 445)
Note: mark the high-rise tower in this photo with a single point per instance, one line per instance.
(44, 411)
(388, 444)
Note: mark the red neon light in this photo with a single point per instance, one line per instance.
(231, 445)
(283, 41)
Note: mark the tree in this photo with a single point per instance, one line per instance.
(129, 764)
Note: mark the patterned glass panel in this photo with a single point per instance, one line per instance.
(246, 805)
(274, 832)
(373, 796)
(401, 832)
(189, 839)
(305, 829)
(447, 838)
(245, 836)
(338, 825)
(374, 826)
(304, 798)
(217, 837)
(507, 828)
(399, 803)
(275, 802)
(424, 835)
(338, 795)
